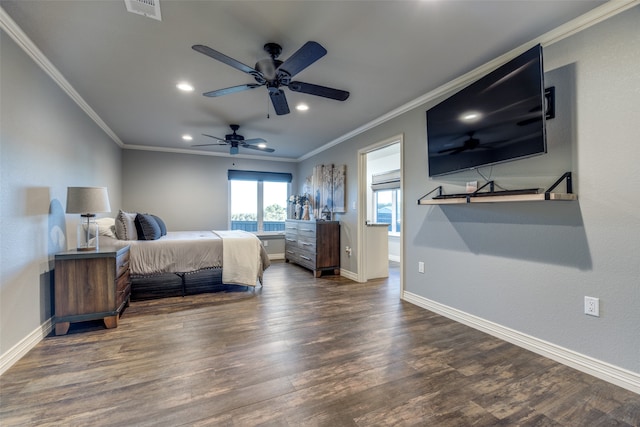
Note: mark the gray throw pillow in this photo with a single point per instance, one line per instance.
(147, 227)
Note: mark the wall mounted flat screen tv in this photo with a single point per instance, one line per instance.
(498, 118)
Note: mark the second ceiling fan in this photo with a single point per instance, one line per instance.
(275, 74)
(236, 141)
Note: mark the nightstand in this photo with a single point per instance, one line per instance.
(91, 285)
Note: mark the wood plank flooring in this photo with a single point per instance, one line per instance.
(300, 351)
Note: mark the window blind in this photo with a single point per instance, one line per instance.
(259, 176)
(385, 180)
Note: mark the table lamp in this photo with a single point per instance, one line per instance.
(87, 201)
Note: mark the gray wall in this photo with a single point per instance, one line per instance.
(189, 192)
(46, 144)
(528, 266)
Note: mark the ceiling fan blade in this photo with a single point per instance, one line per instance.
(309, 53)
(279, 101)
(326, 92)
(207, 145)
(254, 141)
(255, 147)
(458, 151)
(448, 150)
(232, 89)
(220, 140)
(206, 50)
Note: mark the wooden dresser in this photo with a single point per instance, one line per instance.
(313, 244)
(91, 285)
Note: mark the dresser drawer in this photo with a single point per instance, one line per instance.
(307, 245)
(307, 260)
(307, 230)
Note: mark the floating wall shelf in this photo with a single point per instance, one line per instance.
(527, 195)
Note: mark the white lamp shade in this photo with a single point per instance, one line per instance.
(85, 200)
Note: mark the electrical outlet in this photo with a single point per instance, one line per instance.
(420, 267)
(592, 306)
(265, 243)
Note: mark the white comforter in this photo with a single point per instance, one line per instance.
(185, 251)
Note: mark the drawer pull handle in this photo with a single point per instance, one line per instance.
(291, 240)
(305, 257)
(307, 244)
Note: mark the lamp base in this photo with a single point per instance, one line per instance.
(87, 234)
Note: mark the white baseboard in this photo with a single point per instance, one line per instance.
(349, 274)
(16, 352)
(276, 256)
(597, 368)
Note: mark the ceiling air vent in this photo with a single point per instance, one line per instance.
(148, 8)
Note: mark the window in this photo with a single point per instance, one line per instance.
(387, 208)
(388, 199)
(258, 200)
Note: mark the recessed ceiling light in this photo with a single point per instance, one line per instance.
(302, 107)
(262, 145)
(470, 116)
(184, 86)
(187, 137)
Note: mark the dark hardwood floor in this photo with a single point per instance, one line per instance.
(300, 351)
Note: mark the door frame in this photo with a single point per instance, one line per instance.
(362, 204)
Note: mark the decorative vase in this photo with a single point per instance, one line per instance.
(297, 211)
(305, 212)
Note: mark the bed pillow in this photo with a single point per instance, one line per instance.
(125, 225)
(147, 227)
(163, 227)
(107, 227)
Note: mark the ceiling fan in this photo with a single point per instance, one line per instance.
(468, 144)
(471, 143)
(275, 74)
(236, 141)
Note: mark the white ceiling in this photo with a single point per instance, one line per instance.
(385, 53)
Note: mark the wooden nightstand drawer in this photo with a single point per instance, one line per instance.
(122, 264)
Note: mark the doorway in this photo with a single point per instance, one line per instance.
(380, 201)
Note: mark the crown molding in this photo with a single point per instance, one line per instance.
(205, 153)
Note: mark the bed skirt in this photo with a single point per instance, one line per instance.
(178, 284)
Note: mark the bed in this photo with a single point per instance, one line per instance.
(187, 262)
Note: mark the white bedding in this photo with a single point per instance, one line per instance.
(186, 251)
(241, 256)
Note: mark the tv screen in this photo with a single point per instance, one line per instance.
(498, 118)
